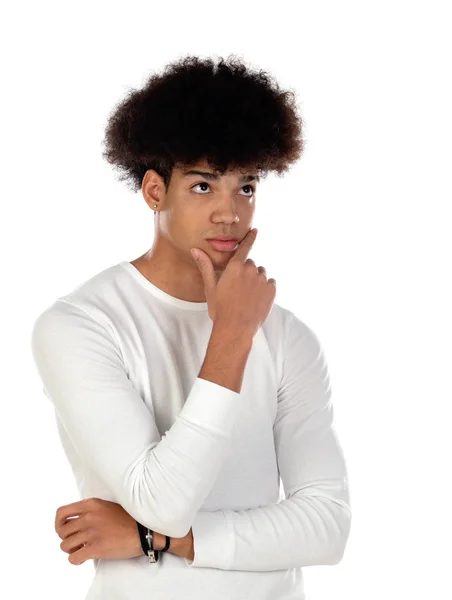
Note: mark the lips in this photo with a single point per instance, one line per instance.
(223, 245)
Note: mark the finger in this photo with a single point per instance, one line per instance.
(271, 280)
(74, 509)
(74, 542)
(208, 273)
(78, 557)
(241, 254)
(70, 527)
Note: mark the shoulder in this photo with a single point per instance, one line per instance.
(90, 306)
(287, 325)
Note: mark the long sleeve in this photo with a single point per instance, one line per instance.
(311, 525)
(161, 482)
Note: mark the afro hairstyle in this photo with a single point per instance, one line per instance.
(196, 109)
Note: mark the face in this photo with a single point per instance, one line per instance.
(197, 207)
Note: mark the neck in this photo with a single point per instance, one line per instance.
(174, 274)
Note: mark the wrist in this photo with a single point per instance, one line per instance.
(183, 547)
(159, 541)
(190, 554)
(224, 334)
(137, 541)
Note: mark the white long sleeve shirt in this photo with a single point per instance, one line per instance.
(119, 359)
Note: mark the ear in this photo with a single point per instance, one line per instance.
(153, 188)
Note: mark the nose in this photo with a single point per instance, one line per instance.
(226, 210)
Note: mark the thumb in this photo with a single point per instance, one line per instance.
(207, 271)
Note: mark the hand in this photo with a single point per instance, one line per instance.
(101, 529)
(242, 297)
(96, 528)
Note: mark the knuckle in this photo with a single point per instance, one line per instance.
(58, 522)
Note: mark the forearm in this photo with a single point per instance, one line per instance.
(226, 357)
(224, 364)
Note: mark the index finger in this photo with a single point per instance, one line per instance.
(69, 510)
(241, 254)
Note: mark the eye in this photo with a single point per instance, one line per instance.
(252, 188)
(202, 183)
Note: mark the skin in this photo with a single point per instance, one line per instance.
(186, 215)
(97, 528)
(190, 211)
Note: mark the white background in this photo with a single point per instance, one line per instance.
(357, 235)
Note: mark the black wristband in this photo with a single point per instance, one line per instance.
(167, 545)
(144, 543)
(142, 532)
(148, 550)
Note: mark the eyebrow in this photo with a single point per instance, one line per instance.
(214, 177)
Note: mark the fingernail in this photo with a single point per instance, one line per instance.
(195, 254)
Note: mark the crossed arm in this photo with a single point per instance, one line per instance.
(309, 527)
(96, 528)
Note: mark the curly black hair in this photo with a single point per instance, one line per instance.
(226, 113)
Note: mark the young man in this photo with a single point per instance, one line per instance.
(184, 395)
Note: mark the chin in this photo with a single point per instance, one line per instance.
(220, 262)
(221, 258)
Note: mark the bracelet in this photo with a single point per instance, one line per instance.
(167, 544)
(152, 554)
(146, 543)
(146, 536)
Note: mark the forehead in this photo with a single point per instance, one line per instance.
(202, 167)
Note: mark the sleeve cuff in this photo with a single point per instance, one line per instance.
(213, 539)
(212, 405)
